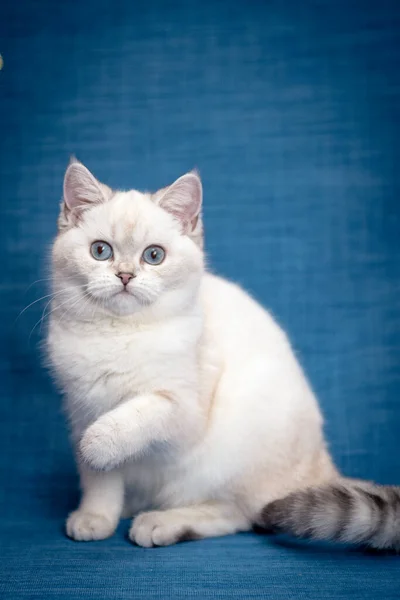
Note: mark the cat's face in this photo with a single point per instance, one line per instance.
(127, 253)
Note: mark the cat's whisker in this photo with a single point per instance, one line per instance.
(52, 295)
(80, 298)
(87, 300)
(42, 317)
(66, 278)
(83, 288)
(35, 282)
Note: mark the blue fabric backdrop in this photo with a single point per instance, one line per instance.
(291, 112)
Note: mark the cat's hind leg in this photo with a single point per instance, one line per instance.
(166, 527)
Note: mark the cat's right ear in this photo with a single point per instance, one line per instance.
(81, 191)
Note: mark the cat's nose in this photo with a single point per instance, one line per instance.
(125, 277)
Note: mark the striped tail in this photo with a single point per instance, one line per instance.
(346, 511)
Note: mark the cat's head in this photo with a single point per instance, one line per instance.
(126, 253)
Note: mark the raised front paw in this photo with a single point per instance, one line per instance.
(84, 527)
(99, 445)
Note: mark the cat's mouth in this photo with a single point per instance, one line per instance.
(127, 293)
(119, 293)
(125, 296)
(123, 293)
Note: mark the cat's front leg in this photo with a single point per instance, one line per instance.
(100, 507)
(127, 430)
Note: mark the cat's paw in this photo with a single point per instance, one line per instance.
(99, 444)
(160, 528)
(84, 527)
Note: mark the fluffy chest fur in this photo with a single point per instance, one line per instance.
(103, 364)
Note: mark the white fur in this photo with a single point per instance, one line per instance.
(183, 394)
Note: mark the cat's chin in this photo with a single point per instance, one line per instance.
(124, 304)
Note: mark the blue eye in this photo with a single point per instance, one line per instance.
(101, 250)
(154, 255)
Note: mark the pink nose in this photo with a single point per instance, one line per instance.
(125, 277)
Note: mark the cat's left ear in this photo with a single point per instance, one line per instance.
(81, 191)
(183, 201)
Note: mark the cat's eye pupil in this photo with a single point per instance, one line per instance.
(154, 254)
(100, 248)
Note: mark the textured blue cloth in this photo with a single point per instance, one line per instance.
(291, 112)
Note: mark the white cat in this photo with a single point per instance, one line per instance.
(187, 406)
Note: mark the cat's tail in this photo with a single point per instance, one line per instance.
(347, 511)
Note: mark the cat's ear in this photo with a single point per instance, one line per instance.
(183, 201)
(81, 190)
